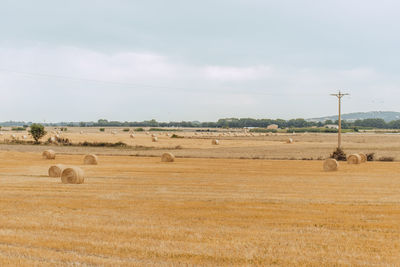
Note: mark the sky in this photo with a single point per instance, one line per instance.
(175, 60)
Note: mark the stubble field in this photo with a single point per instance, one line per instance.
(220, 211)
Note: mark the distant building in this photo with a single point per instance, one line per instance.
(272, 127)
(332, 126)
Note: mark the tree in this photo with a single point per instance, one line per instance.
(37, 131)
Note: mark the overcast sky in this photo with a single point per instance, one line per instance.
(196, 60)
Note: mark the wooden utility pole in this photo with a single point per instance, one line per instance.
(339, 96)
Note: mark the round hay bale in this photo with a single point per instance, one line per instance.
(90, 159)
(363, 157)
(154, 139)
(49, 154)
(167, 157)
(56, 170)
(289, 141)
(132, 136)
(354, 159)
(331, 165)
(215, 142)
(72, 175)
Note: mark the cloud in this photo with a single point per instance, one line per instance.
(229, 73)
(83, 84)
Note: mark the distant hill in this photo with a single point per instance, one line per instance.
(386, 115)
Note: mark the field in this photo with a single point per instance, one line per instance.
(198, 145)
(222, 208)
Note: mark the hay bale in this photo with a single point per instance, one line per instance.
(132, 136)
(215, 142)
(354, 159)
(363, 157)
(56, 170)
(90, 159)
(330, 165)
(167, 157)
(49, 154)
(154, 139)
(289, 141)
(72, 175)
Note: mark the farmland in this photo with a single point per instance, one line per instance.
(226, 205)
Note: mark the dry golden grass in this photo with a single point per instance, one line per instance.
(139, 211)
(306, 146)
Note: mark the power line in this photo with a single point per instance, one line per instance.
(138, 85)
(53, 76)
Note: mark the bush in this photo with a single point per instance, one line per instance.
(17, 129)
(339, 155)
(139, 130)
(207, 131)
(59, 140)
(263, 130)
(313, 130)
(64, 141)
(103, 144)
(37, 131)
(386, 158)
(176, 136)
(370, 156)
(126, 130)
(164, 130)
(102, 129)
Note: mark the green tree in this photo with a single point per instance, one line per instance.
(37, 131)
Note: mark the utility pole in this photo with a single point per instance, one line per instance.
(339, 96)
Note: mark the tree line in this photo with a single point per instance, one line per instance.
(226, 123)
(247, 122)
